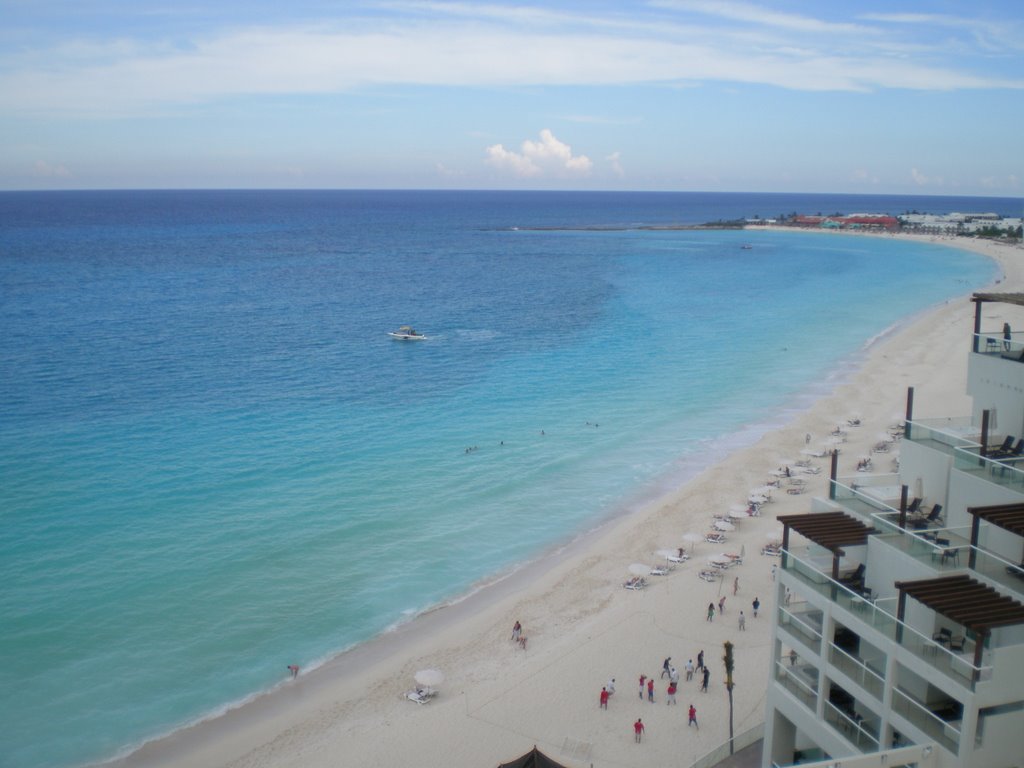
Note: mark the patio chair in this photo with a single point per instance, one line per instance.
(914, 505)
(932, 517)
(943, 636)
(956, 643)
(1011, 453)
(1004, 448)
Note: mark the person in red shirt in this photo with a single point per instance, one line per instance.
(693, 717)
(671, 693)
(604, 698)
(643, 682)
(638, 729)
(650, 690)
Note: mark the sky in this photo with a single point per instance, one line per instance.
(854, 96)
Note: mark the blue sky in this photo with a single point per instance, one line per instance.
(898, 96)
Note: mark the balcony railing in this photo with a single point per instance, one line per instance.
(945, 435)
(1008, 473)
(792, 681)
(995, 345)
(803, 627)
(861, 733)
(918, 715)
(857, 670)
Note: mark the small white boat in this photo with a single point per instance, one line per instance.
(406, 333)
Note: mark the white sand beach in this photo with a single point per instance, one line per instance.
(582, 627)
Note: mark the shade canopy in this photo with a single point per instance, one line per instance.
(532, 759)
(639, 569)
(722, 525)
(429, 677)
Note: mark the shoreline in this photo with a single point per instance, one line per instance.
(576, 615)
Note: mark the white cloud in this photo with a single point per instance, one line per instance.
(537, 158)
(923, 180)
(495, 45)
(45, 170)
(615, 160)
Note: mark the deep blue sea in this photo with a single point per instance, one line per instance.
(214, 462)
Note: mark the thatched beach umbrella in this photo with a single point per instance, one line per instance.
(692, 538)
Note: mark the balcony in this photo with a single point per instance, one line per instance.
(951, 664)
(859, 731)
(932, 723)
(1008, 473)
(944, 435)
(801, 681)
(805, 626)
(857, 670)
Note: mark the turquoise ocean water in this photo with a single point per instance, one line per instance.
(211, 451)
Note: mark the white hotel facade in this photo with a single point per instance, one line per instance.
(899, 639)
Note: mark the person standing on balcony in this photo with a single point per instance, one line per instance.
(1007, 336)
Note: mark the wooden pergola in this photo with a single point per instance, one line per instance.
(831, 530)
(965, 601)
(1008, 517)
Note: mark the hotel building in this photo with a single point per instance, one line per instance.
(898, 636)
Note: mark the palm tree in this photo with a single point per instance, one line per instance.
(728, 661)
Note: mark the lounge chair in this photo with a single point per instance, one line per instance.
(957, 642)
(708, 575)
(714, 537)
(660, 570)
(932, 517)
(638, 582)
(678, 558)
(1011, 453)
(1007, 445)
(420, 695)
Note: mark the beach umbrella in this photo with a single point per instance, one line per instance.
(692, 538)
(431, 678)
(738, 514)
(667, 552)
(774, 535)
(722, 525)
(639, 569)
(885, 437)
(764, 490)
(719, 559)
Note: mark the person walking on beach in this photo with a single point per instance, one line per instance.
(756, 604)
(743, 622)
(735, 586)
(1007, 336)
(650, 690)
(689, 670)
(611, 686)
(707, 676)
(664, 667)
(721, 605)
(775, 568)
(671, 699)
(700, 660)
(638, 730)
(693, 717)
(711, 611)
(673, 675)
(643, 684)
(517, 630)
(294, 669)
(604, 698)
